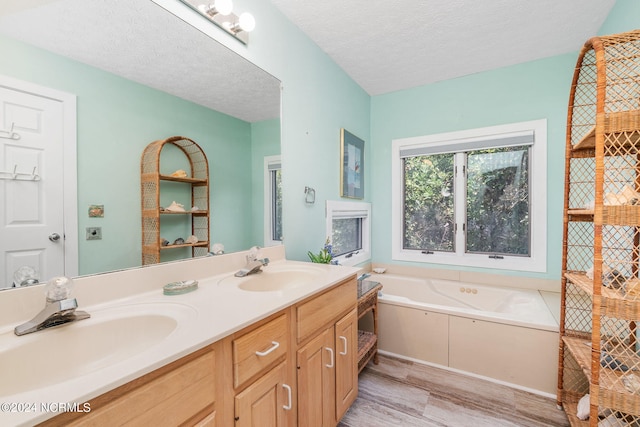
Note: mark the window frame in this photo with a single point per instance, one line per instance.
(270, 163)
(344, 209)
(465, 141)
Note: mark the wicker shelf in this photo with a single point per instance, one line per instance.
(198, 187)
(186, 245)
(572, 408)
(581, 280)
(610, 381)
(580, 349)
(367, 346)
(613, 302)
(192, 181)
(581, 212)
(368, 341)
(611, 215)
(600, 316)
(617, 122)
(184, 213)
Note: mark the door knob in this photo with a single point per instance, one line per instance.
(54, 237)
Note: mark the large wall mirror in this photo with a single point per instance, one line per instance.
(141, 74)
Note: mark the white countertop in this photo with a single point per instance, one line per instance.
(208, 314)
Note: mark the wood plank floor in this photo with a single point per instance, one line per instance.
(402, 393)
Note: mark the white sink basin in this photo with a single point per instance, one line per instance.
(110, 336)
(277, 278)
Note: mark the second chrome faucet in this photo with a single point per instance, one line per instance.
(254, 264)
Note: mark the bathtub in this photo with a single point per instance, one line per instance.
(506, 335)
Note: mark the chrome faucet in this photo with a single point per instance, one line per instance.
(363, 276)
(59, 308)
(254, 264)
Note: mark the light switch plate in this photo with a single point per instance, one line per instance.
(94, 233)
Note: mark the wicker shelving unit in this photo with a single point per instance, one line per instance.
(599, 351)
(196, 182)
(368, 340)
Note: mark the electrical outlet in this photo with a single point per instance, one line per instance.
(94, 233)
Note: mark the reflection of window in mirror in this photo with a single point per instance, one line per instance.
(272, 201)
(348, 224)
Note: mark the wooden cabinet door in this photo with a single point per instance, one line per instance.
(316, 381)
(346, 362)
(263, 403)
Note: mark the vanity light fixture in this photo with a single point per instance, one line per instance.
(220, 13)
(223, 7)
(246, 22)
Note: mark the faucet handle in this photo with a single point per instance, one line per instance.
(253, 253)
(58, 289)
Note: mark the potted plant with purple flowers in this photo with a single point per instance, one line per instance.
(325, 256)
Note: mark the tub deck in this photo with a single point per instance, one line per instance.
(521, 307)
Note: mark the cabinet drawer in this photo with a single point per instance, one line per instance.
(319, 312)
(257, 350)
(170, 399)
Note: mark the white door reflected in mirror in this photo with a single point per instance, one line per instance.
(31, 209)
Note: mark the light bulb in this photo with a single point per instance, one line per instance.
(247, 22)
(223, 7)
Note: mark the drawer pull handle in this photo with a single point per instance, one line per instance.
(274, 345)
(287, 407)
(330, 350)
(344, 342)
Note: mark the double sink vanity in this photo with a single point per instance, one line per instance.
(280, 346)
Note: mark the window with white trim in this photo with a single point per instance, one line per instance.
(472, 198)
(272, 201)
(349, 227)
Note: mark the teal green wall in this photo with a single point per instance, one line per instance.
(318, 99)
(625, 16)
(117, 118)
(530, 91)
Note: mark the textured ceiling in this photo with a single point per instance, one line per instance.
(140, 41)
(398, 44)
(384, 46)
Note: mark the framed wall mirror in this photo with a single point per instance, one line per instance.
(139, 74)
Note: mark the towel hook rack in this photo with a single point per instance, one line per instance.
(20, 176)
(10, 133)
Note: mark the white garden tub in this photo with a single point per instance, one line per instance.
(505, 334)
